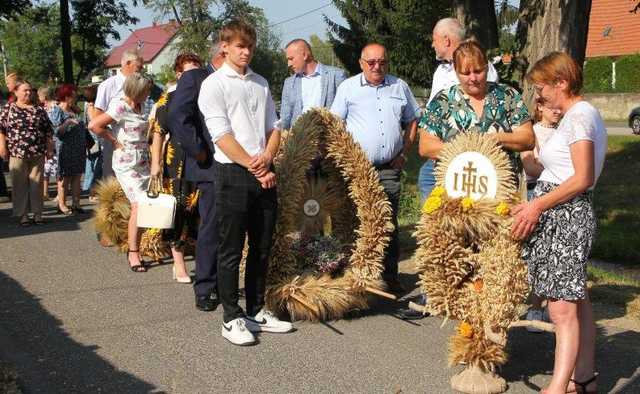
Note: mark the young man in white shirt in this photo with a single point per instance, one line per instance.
(240, 115)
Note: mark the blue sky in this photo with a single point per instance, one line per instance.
(277, 11)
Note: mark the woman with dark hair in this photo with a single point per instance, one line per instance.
(168, 160)
(72, 147)
(25, 139)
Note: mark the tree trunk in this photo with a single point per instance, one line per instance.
(552, 25)
(65, 37)
(479, 18)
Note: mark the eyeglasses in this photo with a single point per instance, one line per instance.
(372, 62)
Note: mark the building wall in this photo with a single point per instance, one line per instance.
(166, 57)
(614, 106)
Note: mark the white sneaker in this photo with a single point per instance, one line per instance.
(236, 332)
(265, 321)
(534, 314)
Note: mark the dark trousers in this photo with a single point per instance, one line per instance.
(207, 242)
(390, 180)
(3, 182)
(243, 207)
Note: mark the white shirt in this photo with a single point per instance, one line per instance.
(542, 133)
(445, 77)
(108, 90)
(240, 105)
(130, 127)
(312, 89)
(582, 122)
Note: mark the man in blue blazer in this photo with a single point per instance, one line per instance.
(312, 85)
(187, 126)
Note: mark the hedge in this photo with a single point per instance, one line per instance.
(598, 78)
(628, 74)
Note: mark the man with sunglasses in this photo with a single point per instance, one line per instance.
(380, 113)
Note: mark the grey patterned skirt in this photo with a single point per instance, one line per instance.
(556, 252)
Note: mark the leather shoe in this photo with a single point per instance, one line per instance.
(206, 303)
(395, 287)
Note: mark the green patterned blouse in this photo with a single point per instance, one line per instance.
(450, 113)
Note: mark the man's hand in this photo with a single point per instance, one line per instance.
(260, 164)
(267, 181)
(399, 162)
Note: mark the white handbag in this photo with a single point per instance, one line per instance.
(155, 209)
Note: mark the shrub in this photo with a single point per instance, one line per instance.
(597, 75)
(627, 75)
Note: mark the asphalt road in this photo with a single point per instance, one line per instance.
(73, 318)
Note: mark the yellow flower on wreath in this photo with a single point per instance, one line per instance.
(466, 204)
(431, 205)
(437, 191)
(503, 209)
(465, 329)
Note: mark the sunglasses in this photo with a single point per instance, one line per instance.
(372, 62)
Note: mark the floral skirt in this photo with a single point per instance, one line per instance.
(132, 169)
(557, 251)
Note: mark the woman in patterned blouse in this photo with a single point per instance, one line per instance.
(25, 138)
(476, 105)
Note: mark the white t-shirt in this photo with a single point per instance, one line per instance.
(240, 105)
(581, 122)
(542, 133)
(445, 77)
(108, 90)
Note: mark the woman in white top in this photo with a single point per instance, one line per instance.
(559, 222)
(131, 161)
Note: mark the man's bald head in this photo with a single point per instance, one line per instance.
(373, 62)
(373, 49)
(447, 35)
(299, 56)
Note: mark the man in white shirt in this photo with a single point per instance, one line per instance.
(241, 117)
(111, 89)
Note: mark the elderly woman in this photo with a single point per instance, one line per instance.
(72, 147)
(168, 160)
(476, 105)
(559, 222)
(26, 136)
(131, 150)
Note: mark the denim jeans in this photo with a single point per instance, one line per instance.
(426, 179)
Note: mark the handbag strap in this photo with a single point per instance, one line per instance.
(155, 187)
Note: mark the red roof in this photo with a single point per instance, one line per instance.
(152, 39)
(613, 30)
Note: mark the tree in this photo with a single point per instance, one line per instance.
(38, 57)
(551, 25)
(479, 18)
(11, 8)
(65, 38)
(323, 51)
(395, 25)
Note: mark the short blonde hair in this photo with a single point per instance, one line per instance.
(556, 67)
(137, 87)
(469, 54)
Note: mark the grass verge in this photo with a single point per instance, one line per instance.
(613, 289)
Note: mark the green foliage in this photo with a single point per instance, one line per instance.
(11, 8)
(323, 51)
(597, 75)
(165, 75)
(627, 75)
(32, 44)
(403, 26)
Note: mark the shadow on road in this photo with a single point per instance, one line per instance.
(46, 358)
(10, 227)
(617, 358)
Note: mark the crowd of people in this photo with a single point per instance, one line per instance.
(216, 132)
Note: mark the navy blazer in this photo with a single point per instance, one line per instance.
(188, 128)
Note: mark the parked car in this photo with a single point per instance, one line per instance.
(634, 120)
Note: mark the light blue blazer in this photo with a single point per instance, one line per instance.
(291, 103)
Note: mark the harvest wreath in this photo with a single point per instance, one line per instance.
(470, 268)
(346, 199)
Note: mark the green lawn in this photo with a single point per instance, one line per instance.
(618, 238)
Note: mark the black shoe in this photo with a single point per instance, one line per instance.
(206, 303)
(395, 287)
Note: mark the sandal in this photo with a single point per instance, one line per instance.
(138, 267)
(581, 387)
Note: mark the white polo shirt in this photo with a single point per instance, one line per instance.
(109, 89)
(240, 105)
(445, 77)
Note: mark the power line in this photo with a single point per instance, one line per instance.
(300, 16)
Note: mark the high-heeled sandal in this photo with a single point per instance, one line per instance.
(583, 385)
(180, 279)
(138, 267)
